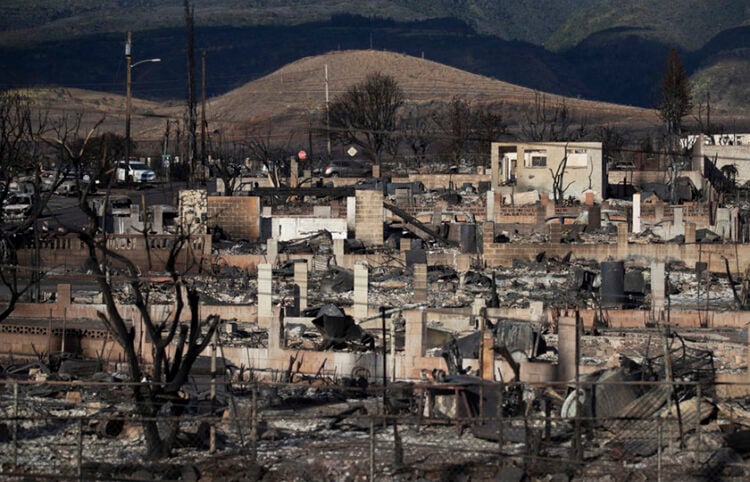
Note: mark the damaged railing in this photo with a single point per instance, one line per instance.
(337, 430)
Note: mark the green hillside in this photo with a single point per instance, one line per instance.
(557, 24)
(51, 20)
(685, 23)
(726, 81)
(608, 50)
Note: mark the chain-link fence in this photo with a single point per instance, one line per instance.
(321, 431)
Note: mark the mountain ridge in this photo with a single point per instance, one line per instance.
(285, 101)
(615, 61)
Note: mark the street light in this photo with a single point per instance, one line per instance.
(128, 80)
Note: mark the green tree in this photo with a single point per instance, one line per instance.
(366, 114)
(676, 101)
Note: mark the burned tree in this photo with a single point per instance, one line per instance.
(227, 163)
(468, 130)
(676, 101)
(558, 179)
(264, 148)
(454, 122)
(101, 154)
(175, 341)
(416, 132)
(21, 161)
(366, 114)
(551, 122)
(613, 143)
(489, 126)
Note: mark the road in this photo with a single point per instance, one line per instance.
(63, 211)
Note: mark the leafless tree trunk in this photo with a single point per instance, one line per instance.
(417, 132)
(558, 179)
(455, 124)
(21, 160)
(551, 122)
(176, 341)
(366, 114)
(271, 152)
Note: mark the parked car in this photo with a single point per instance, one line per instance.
(347, 168)
(50, 178)
(134, 171)
(18, 205)
(71, 187)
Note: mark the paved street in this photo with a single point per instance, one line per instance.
(63, 211)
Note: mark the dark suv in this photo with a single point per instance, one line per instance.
(347, 168)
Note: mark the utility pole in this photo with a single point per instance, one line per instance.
(128, 82)
(165, 161)
(192, 145)
(128, 68)
(328, 118)
(203, 116)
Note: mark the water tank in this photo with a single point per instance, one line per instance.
(613, 284)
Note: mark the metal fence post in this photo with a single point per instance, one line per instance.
(254, 423)
(698, 421)
(500, 441)
(398, 449)
(577, 437)
(15, 424)
(527, 438)
(80, 448)
(372, 449)
(212, 428)
(658, 452)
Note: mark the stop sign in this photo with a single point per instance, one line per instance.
(302, 155)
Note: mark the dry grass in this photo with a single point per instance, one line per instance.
(284, 101)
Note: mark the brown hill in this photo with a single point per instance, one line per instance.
(294, 93)
(289, 100)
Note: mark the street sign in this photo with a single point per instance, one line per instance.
(352, 151)
(302, 155)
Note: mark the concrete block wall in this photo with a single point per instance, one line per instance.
(695, 213)
(478, 210)
(69, 253)
(369, 217)
(518, 214)
(438, 181)
(238, 216)
(503, 254)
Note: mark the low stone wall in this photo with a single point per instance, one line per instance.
(519, 214)
(69, 254)
(503, 254)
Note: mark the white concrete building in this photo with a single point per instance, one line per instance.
(533, 165)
